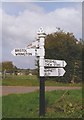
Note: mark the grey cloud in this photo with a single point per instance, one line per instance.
(20, 30)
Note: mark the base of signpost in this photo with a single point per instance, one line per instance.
(42, 97)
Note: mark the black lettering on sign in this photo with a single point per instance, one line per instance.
(20, 54)
(23, 50)
(17, 50)
(20, 50)
(63, 63)
(58, 72)
(29, 53)
(58, 65)
(36, 52)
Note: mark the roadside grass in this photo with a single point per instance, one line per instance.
(20, 80)
(0, 108)
(27, 80)
(59, 104)
(0, 80)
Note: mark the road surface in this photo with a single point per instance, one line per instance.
(5, 90)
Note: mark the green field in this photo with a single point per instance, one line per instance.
(20, 80)
(59, 104)
(26, 80)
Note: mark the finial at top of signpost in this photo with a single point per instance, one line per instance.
(41, 32)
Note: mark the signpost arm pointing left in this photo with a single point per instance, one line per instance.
(13, 52)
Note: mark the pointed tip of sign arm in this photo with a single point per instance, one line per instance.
(13, 52)
(65, 63)
(63, 71)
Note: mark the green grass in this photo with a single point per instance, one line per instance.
(0, 108)
(26, 80)
(54, 83)
(20, 80)
(0, 80)
(59, 104)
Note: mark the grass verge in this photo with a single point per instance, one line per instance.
(59, 104)
(26, 80)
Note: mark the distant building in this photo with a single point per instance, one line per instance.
(30, 74)
(77, 41)
(20, 73)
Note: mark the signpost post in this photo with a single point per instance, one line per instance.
(47, 67)
(41, 36)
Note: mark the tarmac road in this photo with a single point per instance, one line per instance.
(5, 90)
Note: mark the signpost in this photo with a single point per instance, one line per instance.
(41, 36)
(47, 67)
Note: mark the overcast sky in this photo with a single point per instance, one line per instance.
(21, 21)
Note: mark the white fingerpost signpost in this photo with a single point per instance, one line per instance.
(47, 67)
(41, 37)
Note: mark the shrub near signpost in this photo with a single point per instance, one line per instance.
(64, 46)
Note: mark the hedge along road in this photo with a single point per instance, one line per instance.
(21, 89)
